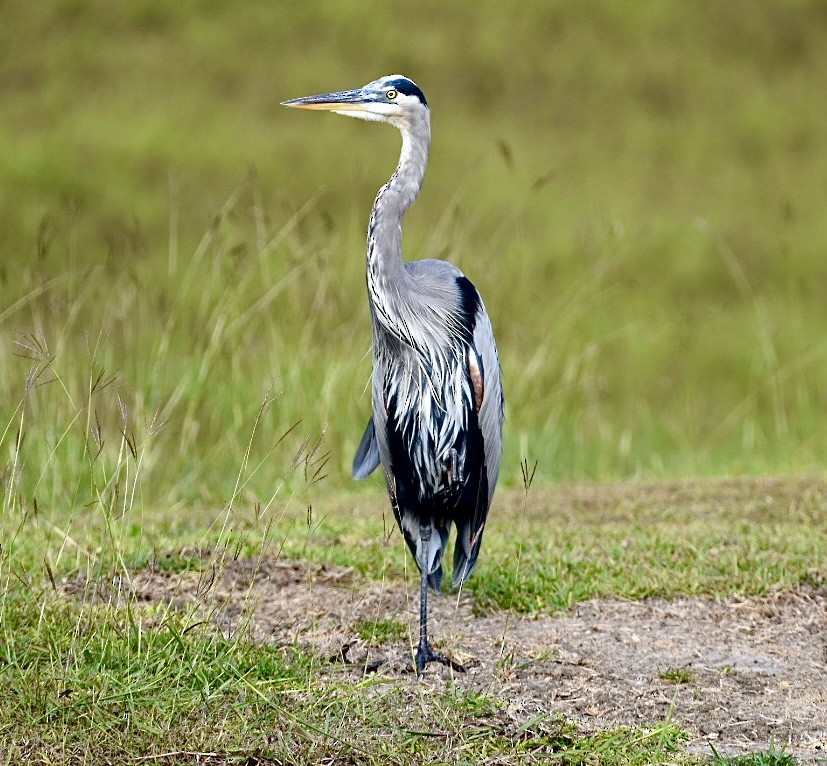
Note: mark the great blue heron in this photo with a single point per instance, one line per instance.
(437, 390)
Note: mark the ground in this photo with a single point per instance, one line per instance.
(739, 673)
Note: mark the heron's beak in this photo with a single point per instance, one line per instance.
(344, 101)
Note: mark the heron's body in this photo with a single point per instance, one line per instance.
(436, 387)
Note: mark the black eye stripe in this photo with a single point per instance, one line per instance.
(407, 88)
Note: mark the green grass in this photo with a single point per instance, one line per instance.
(98, 674)
(677, 675)
(637, 195)
(552, 547)
(92, 682)
(380, 631)
(772, 757)
(184, 342)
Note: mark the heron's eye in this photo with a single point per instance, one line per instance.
(391, 94)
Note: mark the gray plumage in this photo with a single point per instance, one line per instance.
(436, 427)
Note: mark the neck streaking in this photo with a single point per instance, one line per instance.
(388, 282)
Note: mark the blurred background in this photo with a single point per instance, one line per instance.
(637, 189)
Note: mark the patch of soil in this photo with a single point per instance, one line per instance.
(754, 669)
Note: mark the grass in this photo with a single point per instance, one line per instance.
(636, 540)
(98, 674)
(771, 757)
(94, 680)
(677, 675)
(380, 631)
(639, 207)
(184, 344)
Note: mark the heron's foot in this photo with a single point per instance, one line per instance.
(424, 655)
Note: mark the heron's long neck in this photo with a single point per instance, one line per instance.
(388, 281)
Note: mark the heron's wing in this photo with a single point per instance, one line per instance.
(366, 460)
(486, 382)
(491, 409)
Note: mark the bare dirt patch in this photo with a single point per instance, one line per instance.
(753, 670)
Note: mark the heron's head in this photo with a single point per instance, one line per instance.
(394, 99)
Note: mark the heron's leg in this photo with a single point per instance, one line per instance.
(424, 653)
